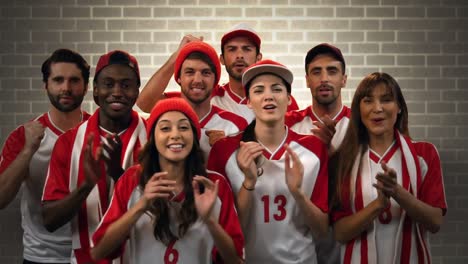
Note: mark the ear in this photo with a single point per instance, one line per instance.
(178, 80)
(221, 59)
(259, 57)
(289, 100)
(307, 81)
(345, 79)
(249, 105)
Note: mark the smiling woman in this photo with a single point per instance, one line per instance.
(284, 209)
(391, 193)
(169, 208)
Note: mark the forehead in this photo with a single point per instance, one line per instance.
(324, 60)
(239, 41)
(195, 64)
(117, 72)
(172, 116)
(266, 78)
(379, 90)
(64, 69)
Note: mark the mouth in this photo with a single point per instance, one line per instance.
(175, 147)
(116, 106)
(377, 120)
(325, 90)
(269, 107)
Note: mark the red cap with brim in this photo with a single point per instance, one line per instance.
(266, 66)
(241, 30)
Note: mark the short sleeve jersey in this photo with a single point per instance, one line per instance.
(39, 244)
(196, 246)
(277, 231)
(302, 122)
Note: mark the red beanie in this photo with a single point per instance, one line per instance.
(172, 104)
(202, 47)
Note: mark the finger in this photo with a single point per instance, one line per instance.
(216, 187)
(201, 38)
(196, 188)
(158, 175)
(101, 154)
(204, 180)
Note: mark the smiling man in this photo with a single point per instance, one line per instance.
(197, 70)
(110, 140)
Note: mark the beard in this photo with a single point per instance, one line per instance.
(327, 100)
(55, 101)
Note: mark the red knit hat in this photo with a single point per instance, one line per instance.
(172, 104)
(117, 57)
(241, 30)
(202, 47)
(266, 66)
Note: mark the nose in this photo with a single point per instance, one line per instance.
(66, 87)
(117, 90)
(377, 106)
(175, 134)
(197, 77)
(324, 78)
(239, 54)
(267, 94)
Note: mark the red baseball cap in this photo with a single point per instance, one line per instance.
(117, 57)
(267, 66)
(324, 48)
(241, 30)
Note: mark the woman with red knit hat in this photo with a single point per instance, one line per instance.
(169, 209)
(279, 177)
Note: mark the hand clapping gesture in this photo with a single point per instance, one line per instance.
(205, 201)
(294, 171)
(324, 130)
(111, 148)
(246, 156)
(158, 187)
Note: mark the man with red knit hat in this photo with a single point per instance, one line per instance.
(197, 70)
(240, 48)
(89, 159)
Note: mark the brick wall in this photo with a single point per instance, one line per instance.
(423, 43)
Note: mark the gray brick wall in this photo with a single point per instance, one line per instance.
(423, 43)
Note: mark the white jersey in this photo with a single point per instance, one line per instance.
(39, 244)
(303, 121)
(218, 121)
(392, 237)
(196, 246)
(276, 230)
(225, 98)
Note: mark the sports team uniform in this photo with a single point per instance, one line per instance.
(302, 122)
(66, 173)
(39, 244)
(223, 97)
(393, 237)
(277, 231)
(215, 120)
(196, 246)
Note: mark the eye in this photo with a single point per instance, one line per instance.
(58, 79)
(207, 73)
(366, 100)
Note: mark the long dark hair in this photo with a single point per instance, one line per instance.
(194, 165)
(357, 137)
